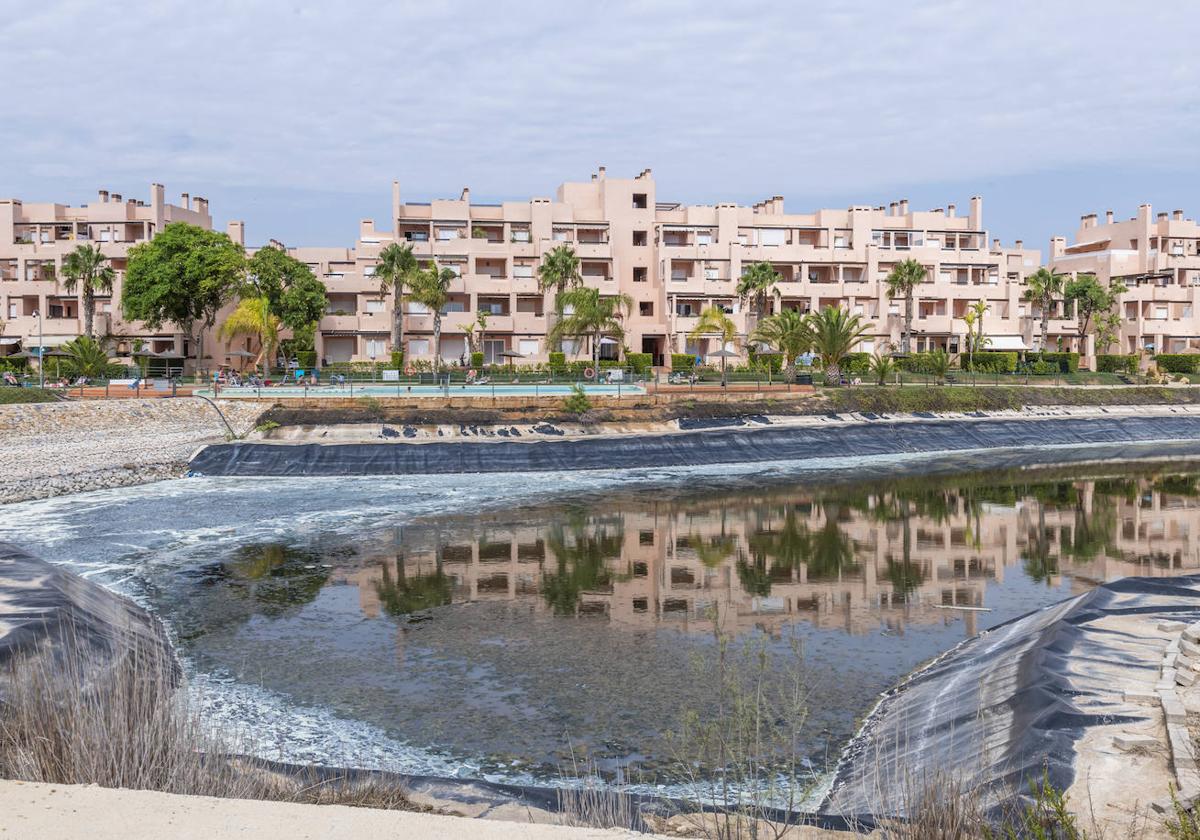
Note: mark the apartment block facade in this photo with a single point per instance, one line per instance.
(34, 238)
(1157, 258)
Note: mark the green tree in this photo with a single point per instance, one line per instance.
(559, 272)
(184, 276)
(253, 317)
(939, 365)
(475, 331)
(87, 268)
(1091, 299)
(1043, 287)
(395, 271)
(592, 315)
(788, 333)
(755, 285)
(714, 321)
(404, 594)
(294, 294)
(834, 333)
(975, 339)
(88, 357)
(431, 289)
(882, 368)
(1108, 331)
(902, 282)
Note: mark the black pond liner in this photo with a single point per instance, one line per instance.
(713, 446)
(1004, 707)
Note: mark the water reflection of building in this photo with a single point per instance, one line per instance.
(853, 560)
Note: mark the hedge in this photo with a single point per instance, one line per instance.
(306, 359)
(683, 362)
(856, 364)
(772, 362)
(1178, 362)
(477, 360)
(990, 361)
(1111, 363)
(1066, 362)
(915, 363)
(558, 360)
(640, 362)
(398, 360)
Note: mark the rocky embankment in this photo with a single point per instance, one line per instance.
(52, 449)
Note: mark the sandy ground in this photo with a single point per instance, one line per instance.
(66, 812)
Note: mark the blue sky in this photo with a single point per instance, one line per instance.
(297, 116)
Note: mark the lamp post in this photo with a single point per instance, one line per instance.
(41, 353)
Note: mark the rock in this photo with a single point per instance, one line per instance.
(1171, 626)
(1127, 743)
(1173, 709)
(1140, 697)
(1186, 677)
(1192, 633)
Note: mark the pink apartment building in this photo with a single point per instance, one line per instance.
(1158, 260)
(34, 238)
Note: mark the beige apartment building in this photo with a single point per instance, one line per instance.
(673, 260)
(34, 238)
(1157, 258)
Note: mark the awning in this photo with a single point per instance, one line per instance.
(1004, 342)
(10, 340)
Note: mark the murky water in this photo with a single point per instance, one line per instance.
(427, 625)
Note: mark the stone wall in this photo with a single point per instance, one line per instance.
(51, 449)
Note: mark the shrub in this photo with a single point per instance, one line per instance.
(398, 359)
(1043, 368)
(856, 364)
(683, 362)
(1060, 362)
(990, 361)
(476, 360)
(916, 363)
(306, 359)
(558, 360)
(1112, 363)
(370, 406)
(577, 401)
(1178, 362)
(640, 362)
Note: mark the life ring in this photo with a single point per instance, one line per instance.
(589, 373)
(410, 370)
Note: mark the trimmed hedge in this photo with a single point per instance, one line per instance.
(306, 359)
(1178, 362)
(476, 360)
(1112, 363)
(398, 359)
(640, 362)
(915, 363)
(990, 361)
(558, 360)
(1066, 362)
(683, 362)
(856, 364)
(770, 362)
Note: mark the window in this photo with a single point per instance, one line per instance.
(639, 201)
(561, 234)
(454, 267)
(520, 235)
(640, 274)
(418, 347)
(376, 348)
(368, 271)
(712, 273)
(570, 346)
(646, 308)
(446, 234)
(684, 309)
(839, 240)
(771, 236)
(415, 308)
(639, 237)
(528, 346)
(703, 237)
(416, 235)
(522, 270)
(374, 306)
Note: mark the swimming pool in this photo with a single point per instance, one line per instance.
(400, 389)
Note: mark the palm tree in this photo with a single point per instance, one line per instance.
(882, 368)
(559, 271)
(591, 315)
(939, 365)
(756, 283)
(431, 289)
(973, 318)
(475, 331)
(396, 268)
(1043, 287)
(788, 333)
(253, 318)
(903, 280)
(714, 321)
(88, 268)
(87, 356)
(834, 333)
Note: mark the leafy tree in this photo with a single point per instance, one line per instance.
(475, 331)
(834, 333)
(714, 321)
(1108, 331)
(89, 269)
(592, 315)
(1091, 299)
(755, 284)
(396, 270)
(184, 275)
(975, 339)
(902, 282)
(88, 357)
(294, 294)
(559, 272)
(253, 317)
(1043, 287)
(788, 333)
(431, 289)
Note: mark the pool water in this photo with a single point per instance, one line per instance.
(367, 389)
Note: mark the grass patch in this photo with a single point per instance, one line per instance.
(952, 398)
(16, 396)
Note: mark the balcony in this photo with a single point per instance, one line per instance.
(339, 323)
(375, 322)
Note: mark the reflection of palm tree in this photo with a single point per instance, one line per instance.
(753, 575)
(1039, 563)
(904, 575)
(832, 552)
(405, 595)
(1094, 531)
(582, 565)
(276, 576)
(786, 548)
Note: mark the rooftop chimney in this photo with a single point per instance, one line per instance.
(465, 195)
(1019, 244)
(996, 244)
(950, 210)
(1162, 217)
(104, 196)
(892, 208)
(601, 173)
(237, 232)
(1108, 217)
(904, 207)
(1177, 215)
(1088, 220)
(116, 197)
(185, 201)
(647, 172)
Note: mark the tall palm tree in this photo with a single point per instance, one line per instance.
(755, 284)
(88, 268)
(902, 282)
(788, 333)
(431, 289)
(253, 318)
(559, 272)
(834, 333)
(395, 271)
(1043, 287)
(593, 316)
(974, 321)
(714, 321)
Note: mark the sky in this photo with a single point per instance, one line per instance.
(296, 117)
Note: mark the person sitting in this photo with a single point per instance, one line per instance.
(471, 374)
(11, 379)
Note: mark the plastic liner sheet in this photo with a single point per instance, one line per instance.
(47, 610)
(1004, 707)
(833, 438)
